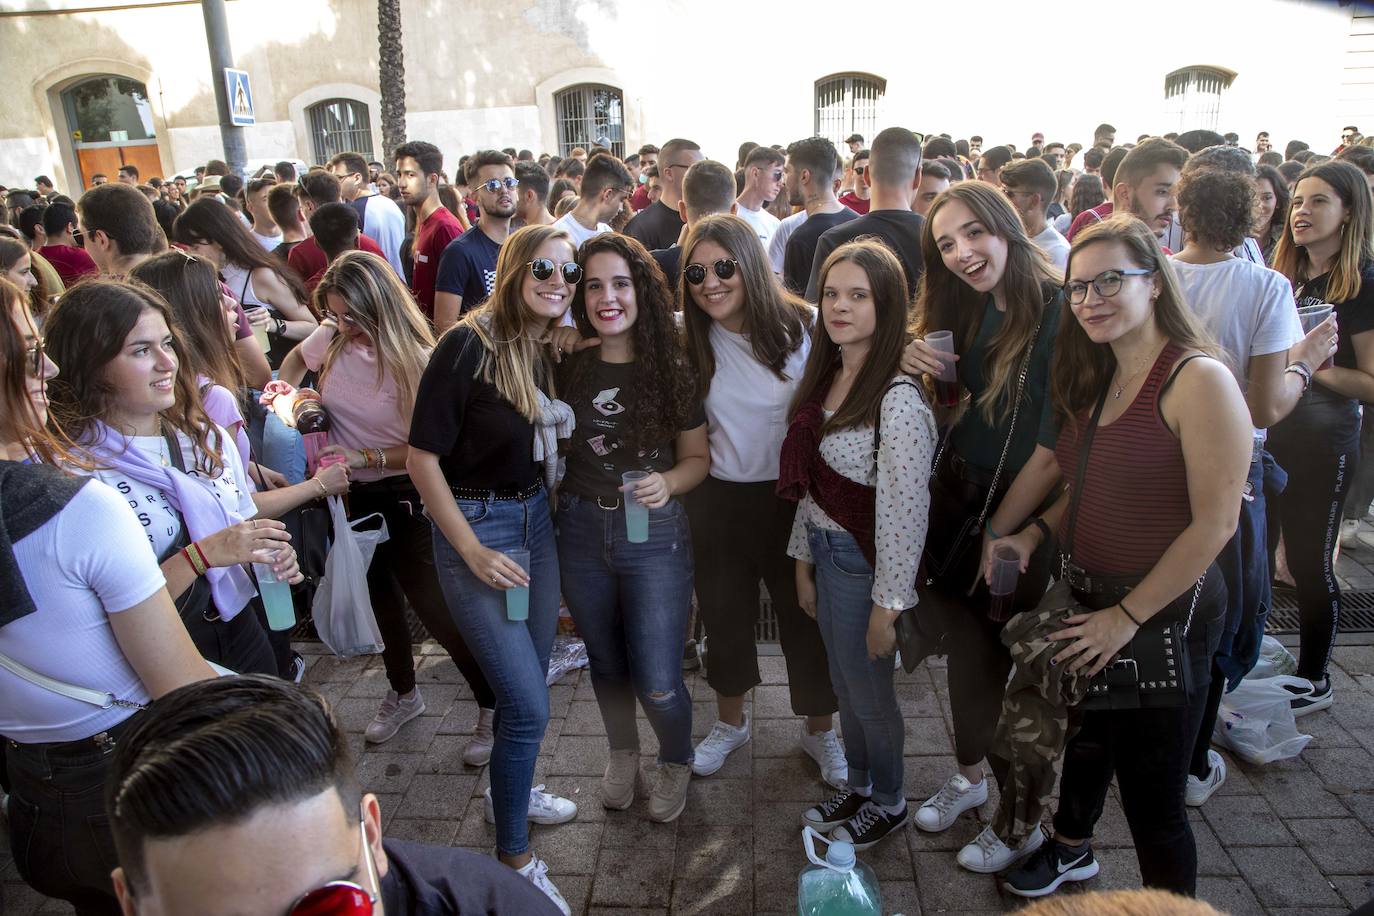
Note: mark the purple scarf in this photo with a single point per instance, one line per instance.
(201, 512)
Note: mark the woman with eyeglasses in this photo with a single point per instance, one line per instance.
(1327, 253)
(137, 418)
(85, 612)
(368, 356)
(747, 339)
(637, 409)
(483, 455)
(990, 285)
(1155, 446)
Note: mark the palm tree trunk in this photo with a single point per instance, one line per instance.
(392, 77)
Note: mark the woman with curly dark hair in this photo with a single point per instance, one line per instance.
(1271, 209)
(637, 409)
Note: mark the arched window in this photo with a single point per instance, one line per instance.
(109, 109)
(847, 103)
(1193, 95)
(340, 126)
(590, 114)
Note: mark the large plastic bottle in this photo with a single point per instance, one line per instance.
(839, 884)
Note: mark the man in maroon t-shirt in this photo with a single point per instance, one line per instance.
(316, 189)
(418, 165)
(70, 262)
(1143, 185)
(648, 159)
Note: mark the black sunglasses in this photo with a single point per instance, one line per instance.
(542, 268)
(696, 273)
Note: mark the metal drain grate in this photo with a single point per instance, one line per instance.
(1357, 611)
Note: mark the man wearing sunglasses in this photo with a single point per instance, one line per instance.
(237, 795)
(467, 270)
(762, 184)
(659, 224)
(857, 197)
(606, 185)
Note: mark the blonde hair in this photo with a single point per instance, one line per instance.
(1120, 903)
(382, 308)
(514, 361)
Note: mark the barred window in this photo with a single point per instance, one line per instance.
(340, 126)
(1193, 97)
(587, 113)
(847, 103)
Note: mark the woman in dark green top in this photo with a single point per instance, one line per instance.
(989, 284)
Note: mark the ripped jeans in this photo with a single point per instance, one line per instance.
(630, 603)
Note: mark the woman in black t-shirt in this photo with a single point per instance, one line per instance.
(637, 410)
(1326, 251)
(482, 451)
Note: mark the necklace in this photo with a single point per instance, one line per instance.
(1116, 396)
(162, 453)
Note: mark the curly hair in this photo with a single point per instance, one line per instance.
(1217, 207)
(664, 384)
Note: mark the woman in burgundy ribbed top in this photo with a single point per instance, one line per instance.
(1159, 499)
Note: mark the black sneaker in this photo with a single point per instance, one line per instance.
(1310, 699)
(833, 812)
(870, 826)
(691, 657)
(1050, 866)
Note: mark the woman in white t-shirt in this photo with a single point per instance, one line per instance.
(141, 424)
(77, 607)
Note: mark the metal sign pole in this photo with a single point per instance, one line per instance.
(217, 38)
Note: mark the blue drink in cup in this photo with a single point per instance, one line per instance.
(518, 598)
(276, 598)
(636, 513)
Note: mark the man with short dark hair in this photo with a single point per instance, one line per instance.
(216, 167)
(763, 171)
(975, 146)
(120, 227)
(659, 225)
(1053, 154)
(1030, 185)
(128, 174)
(98, 179)
(285, 209)
(380, 218)
(648, 159)
(855, 142)
(893, 177)
(856, 198)
(374, 171)
(1349, 134)
(72, 263)
(44, 185)
(935, 179)
(809, 177)
(467, 269)
(605, 187)
(334, 227)
(707, 188)
(264, 227)
(315, 189)
(285, 172)
(1142, 185)
(238, 795)
(532, 200)
(1104, 134)
(991, 163)
(1092, 161)
(418, 166)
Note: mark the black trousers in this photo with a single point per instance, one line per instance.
(241, 644)
(739, 537)
(403, 568)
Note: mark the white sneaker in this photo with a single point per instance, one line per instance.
(825, 749)
(536, 872)
(956, 796)
(1199, 790)
(392, 714)
(477, 752)
(988, 855)
(545, 808)
(1350, 532)
(709, 756)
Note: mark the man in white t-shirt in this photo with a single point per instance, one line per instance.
(1031, 185)
(762, 185)
(264, 228)
(380, 218)
(606, 185)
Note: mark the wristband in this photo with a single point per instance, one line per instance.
(191, 558)
(200, 552)
(1039, 522)
(1301, 370)
(1126, 611)
(992, 534)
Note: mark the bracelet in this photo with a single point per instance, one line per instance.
(1301, 370)
(191, 558)
(324, 491)
(1039, 522)
(200, 552)
(1126, 611)
(381, 458)
(992, 534)
(281, 327)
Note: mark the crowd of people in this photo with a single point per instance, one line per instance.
(1053, 413)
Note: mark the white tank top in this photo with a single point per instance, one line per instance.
(240, 283)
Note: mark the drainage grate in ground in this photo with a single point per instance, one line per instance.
(1357, 611)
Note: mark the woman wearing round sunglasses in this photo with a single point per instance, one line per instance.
(369, 355)
(748, 339)
(483, 453)
(637, 410)
(989, 284)
(81, 608)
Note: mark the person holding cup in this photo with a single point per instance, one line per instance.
(990, 285)
(1326, 252)
(638, 417)
(857, 457)
(482, 455)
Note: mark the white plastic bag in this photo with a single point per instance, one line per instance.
(1256, 722)
(1274, 660)
(342, 609)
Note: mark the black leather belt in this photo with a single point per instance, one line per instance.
(506, 494)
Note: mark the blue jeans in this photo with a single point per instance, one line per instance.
(514, 655)
(869, 714)
(631, 603)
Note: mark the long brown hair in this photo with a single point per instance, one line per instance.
(12, 250)
(1290, 258)
(775, 321)
(945, 301)
(190, 285)
(1082, 368)
(20, 423)
(84, 333)
(661, 375)
(208, 220)
(887, 284)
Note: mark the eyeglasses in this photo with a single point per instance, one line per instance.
(1107, 284)
(34, 358)
(495, 184)
(696, 273)
(341, 898)
(543, 268)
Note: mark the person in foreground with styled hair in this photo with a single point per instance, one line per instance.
(237, 796)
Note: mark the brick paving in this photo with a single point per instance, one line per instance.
(1293, 837)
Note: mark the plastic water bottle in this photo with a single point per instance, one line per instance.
(276, 598)
(839, 884)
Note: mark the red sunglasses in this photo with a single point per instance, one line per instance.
(342, 898)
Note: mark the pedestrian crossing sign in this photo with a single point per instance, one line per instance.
(240, 95)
